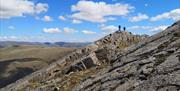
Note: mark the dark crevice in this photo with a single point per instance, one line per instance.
(123, 64)
(94, 83)
(120, 83)
(118, 78)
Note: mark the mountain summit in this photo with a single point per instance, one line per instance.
(118, 62)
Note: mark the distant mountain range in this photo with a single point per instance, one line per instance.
(62, 44)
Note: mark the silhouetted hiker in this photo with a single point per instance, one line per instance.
(124, 28)
(119, 27)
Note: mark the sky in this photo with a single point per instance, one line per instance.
(82, 20)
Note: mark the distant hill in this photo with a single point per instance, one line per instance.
(61, 44)
(72, 44)
(17, 43)
(19, 61)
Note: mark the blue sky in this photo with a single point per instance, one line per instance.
(82, 20)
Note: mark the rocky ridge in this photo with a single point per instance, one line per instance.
(118, 62)
(152, 65)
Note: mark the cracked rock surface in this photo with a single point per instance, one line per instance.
(140, 64)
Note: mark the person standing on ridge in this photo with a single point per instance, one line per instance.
(124, 28)
(119, 27)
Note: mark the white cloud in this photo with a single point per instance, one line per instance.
(62, 18)
(69, 30)
(11, 27)
(19, 8)
(139, 17)
(76, 21)
(146, 5)
(109, 28)
(173, 14)
(139, 28)
(57, 30)
(37, 17)
(158, 28)
(98, 11)
(51, 30)
(47, 18)
(12, 37)
(88, 32)
(7, 38)
(41, 7)
(111, 18)
(105, 33)
(39, 38)
(149, 28)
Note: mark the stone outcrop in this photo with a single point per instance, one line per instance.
(119, 40)
(118, 62)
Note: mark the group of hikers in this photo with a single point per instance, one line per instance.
(124, 28)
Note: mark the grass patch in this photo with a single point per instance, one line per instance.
(75, 78)
(21, 89)
(122, 45)
(178, 57)
(164, 45)
(177, 34)
(31, 85)
(34, 84)
(160, 59)
(177, 44)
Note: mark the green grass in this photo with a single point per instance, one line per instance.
(164, 45)
(177, 34)
(122, 45)
(160, 59)
(178, 57)
(177, 44)
(34, 84)
(75, 78)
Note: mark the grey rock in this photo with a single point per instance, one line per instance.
(153, 64)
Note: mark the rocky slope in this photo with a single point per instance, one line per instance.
(118, 62)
